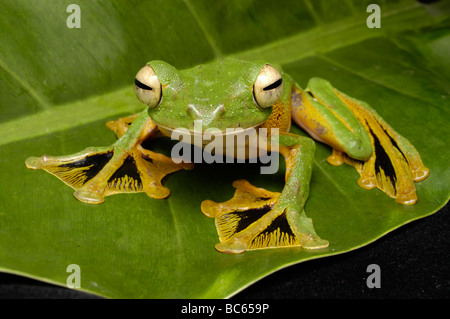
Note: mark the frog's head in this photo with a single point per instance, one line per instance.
(226, 94)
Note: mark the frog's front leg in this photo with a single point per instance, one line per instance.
(123, 167)
(361, 138)
(256, 218)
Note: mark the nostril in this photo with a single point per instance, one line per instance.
(193, 112)
(206, 113)
(219, 111)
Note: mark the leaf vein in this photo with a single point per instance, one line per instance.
(43, 103)
(208, 36)
(363, 76)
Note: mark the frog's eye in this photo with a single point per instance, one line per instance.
(268, 86)
(147, 87)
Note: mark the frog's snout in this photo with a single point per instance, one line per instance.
(205, 113)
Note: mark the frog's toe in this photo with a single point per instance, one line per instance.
(89, 197)
(34, 162)
(232, 247)
(246, 197)
(120, 126)
(252, 219)
(210, 209)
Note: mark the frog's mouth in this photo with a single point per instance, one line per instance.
(238, 141)
(210, 133)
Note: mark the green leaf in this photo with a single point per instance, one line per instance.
(60, 85)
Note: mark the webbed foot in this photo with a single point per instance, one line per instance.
(124, 167)
(98, 172)
(394, 166)
(255, 219)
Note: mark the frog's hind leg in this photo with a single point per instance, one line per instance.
(123, 167)
(256, 218)
(361, 138)
(394, 165)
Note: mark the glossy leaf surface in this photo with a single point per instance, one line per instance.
(60, 85)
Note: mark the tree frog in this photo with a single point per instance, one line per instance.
(232, 93)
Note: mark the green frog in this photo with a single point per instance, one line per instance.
(230, 94)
